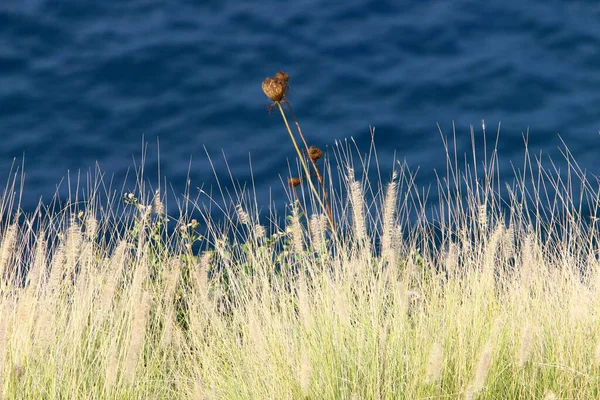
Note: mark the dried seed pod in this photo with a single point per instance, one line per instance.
(282, 76)
(274, 88)
(314, 153)
(293, 182)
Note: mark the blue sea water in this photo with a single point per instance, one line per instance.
(91, 81)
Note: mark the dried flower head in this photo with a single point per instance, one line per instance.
(314, 153)
(293, 182)
(274, 88)
(282, 76)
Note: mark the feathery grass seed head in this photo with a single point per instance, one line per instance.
(7, 250)
(318, 224)
(242, 215)
(483, 369)
(549, 395)
(91, 226)
(482, 216)
(259, 231)
(526, 341)
(389, 209)
(435, 364)
(295, 230)
(358, 213)
(140, 310)
(159, 207)
(597, 354)
(305, 370)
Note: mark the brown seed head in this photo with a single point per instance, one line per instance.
(282, 76)
(293, 182)
(274, 88)
(314, 153)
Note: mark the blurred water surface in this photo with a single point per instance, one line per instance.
(84, 82)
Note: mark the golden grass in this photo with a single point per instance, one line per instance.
(492, 293)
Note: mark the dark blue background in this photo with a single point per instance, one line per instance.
(86, 81)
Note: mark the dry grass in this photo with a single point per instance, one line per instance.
(493, 294)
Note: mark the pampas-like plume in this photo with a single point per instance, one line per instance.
(115, 268)
(482, 371)
(159, 207)
(171, 283)
(305, 371)
(401, 298)
(7, 252)
(45, 326)
(528, 257)
(242, 215)
(256, 335)
(482, 216)
(526, 341)
(38, 268)
(597, 354)
(26, 314)
(6, 322)
(435, 364)
(295, 230)
(549, 395)
(358, 212)
(139, 311)
(73, 242)
(318, 224)
(172, 280)
(112, 367)
(201, 274)
(199, 389)
(509, 242)
(91, 226)
(389, 210)
(259, 231)
(342, 308)
(491, 247)
(451, 261)
(304, 303)
(58, 267)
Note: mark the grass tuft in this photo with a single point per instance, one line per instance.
(364, 289)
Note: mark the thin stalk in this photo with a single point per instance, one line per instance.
(297, 199)
(305, 167)
(314, 164)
